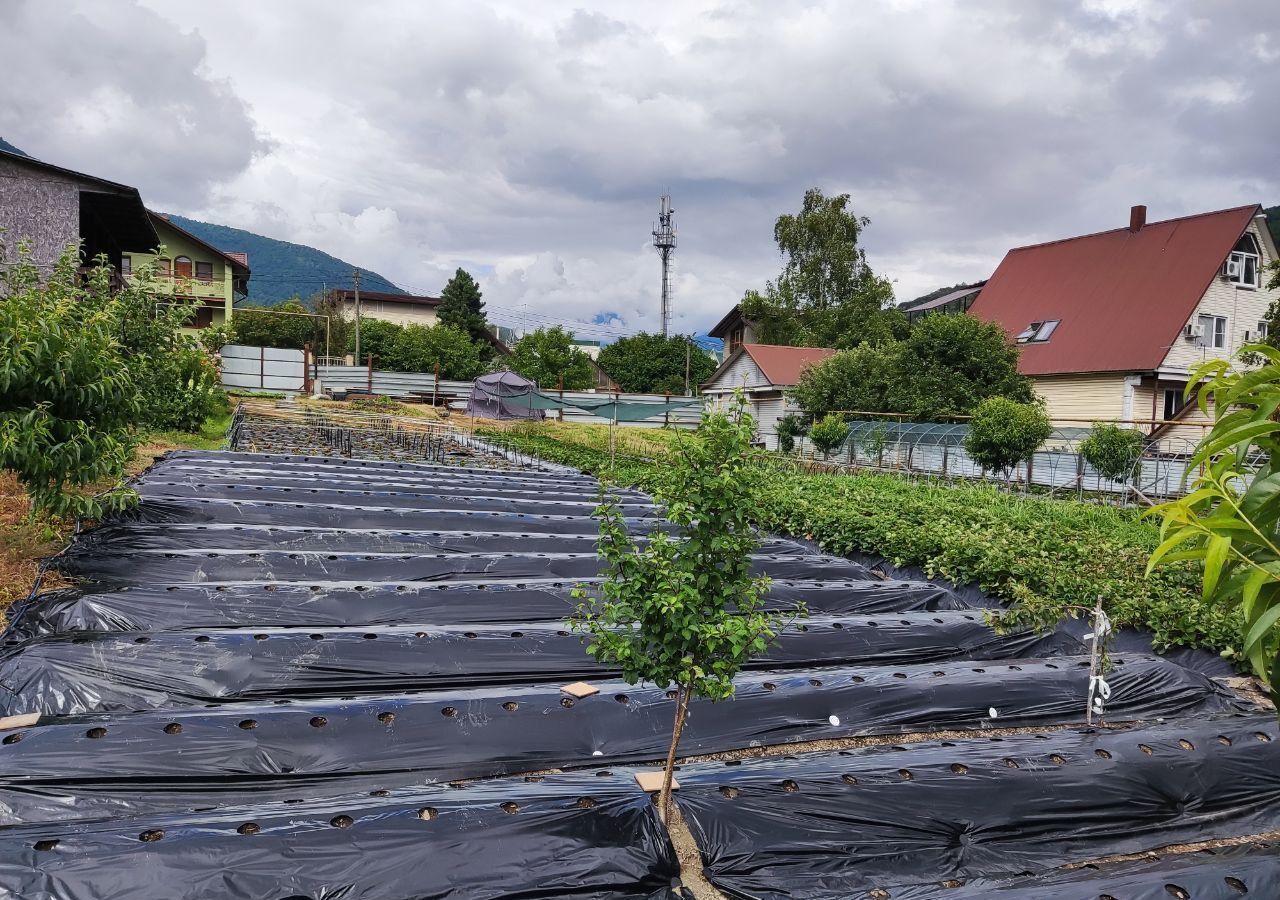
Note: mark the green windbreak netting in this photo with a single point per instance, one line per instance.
(630, 410)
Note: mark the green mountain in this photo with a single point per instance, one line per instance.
(280, 269)
(6, 146)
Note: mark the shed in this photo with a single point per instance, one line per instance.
(763, 372)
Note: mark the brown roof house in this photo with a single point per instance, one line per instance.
(1109, 324)
(763, 372)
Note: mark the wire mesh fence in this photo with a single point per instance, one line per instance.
(1160, 469)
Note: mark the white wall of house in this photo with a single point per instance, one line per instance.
(399, 313)
(743, 373)
(1243, 308)
(766, 402)
(1098, 396)
(766, 405)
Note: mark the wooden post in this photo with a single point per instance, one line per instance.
(306, 368)
(666, 413)
(370, 371)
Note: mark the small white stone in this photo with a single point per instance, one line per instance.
(834, 720)
(993, 713)
(597, 753)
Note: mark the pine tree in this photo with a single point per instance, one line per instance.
(461, 307)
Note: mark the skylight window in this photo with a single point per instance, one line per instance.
(1045, 331)
(1038, 332)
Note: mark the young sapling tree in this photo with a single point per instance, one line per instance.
(685, 611)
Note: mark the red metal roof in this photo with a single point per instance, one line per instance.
(783, 365)
(1122, 297)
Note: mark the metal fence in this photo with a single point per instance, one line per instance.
(263, 368)
(422, 386)
(1161, 470)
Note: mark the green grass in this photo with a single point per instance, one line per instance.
(210, 435)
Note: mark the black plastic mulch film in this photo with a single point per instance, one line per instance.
(173, 759)
(327, 604)
(127, 567)
(958, 809)
(336, 638)
(580, 836)
(68, 674)
(1228, 873)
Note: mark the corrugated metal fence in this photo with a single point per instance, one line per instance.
(422, 385)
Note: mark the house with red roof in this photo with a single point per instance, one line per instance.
(1110, 324)
(763, 372)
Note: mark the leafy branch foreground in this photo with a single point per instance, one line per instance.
(1050, 556)
(686, 612)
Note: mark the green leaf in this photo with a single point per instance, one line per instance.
(1258, 630)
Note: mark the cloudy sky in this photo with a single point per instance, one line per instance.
(529, 141)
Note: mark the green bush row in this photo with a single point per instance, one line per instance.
(1046, 555)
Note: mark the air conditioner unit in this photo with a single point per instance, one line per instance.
(1232, 268)
(1191, 332)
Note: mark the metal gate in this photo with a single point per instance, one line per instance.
(263, 368)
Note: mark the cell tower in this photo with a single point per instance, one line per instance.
(664, 241)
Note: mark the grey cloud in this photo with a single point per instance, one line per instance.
(118, 91)
(536, 139)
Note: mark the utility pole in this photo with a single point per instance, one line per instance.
(355, 278)
(664, 241)
(687, 346)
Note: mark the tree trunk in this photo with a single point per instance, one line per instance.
(682, 710)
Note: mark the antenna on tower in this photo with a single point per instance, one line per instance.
(664, 241)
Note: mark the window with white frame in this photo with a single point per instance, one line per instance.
(1213, 332)
(1262, 331)
(1173, 402)
(1241, 267)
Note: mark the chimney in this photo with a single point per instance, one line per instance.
(1137, 218)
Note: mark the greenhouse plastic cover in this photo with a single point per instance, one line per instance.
(842, 824)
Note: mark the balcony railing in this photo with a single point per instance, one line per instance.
(189, 285)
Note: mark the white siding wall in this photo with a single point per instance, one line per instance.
(742, 373)
(399, 313)
(1086, 396)
(767, 412)
(1242, 307)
